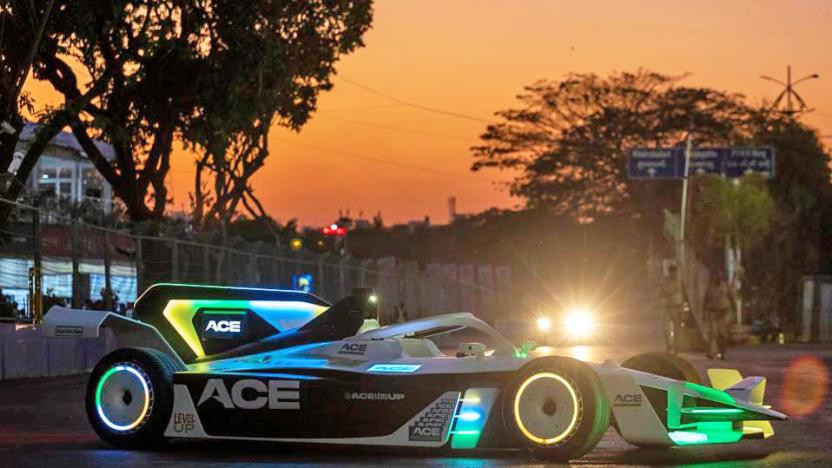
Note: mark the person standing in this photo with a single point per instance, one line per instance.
(672, 313)
(402, 313)
(720, 318)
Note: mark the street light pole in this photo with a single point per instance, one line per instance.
(684, 210)
(789, 92)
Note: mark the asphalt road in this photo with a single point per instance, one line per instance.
(42, 423)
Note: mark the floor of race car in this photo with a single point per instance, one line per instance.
(42, 423)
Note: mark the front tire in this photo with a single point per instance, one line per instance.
(130, 397)
(556, 409)
(664, 365)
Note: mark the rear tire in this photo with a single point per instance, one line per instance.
(130, 397)
(556, 409)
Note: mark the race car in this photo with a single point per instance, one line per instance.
(204, 362)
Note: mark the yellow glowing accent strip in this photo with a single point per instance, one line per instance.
(180, 313)
(529, 435)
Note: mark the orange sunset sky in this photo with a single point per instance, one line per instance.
(473, 57)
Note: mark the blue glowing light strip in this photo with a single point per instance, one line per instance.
(471, 416)
(395, 368)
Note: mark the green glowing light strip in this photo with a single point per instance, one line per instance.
(216, 286)
(721, 432)
(712, 410)
(711, 393)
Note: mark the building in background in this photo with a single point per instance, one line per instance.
(65, 171)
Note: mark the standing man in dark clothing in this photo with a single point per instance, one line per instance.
(720, 317)
(673, 307)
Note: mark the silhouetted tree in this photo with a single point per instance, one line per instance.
(22, 27)
(27, 37)
(200, 71)
(570, 139)
(223, 177)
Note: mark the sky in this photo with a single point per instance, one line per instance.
(366, 153)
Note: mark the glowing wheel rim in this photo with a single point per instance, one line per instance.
(123, 397)
(547, 408)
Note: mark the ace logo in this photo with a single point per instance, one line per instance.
(432, 423)
(222, 326)
(353, 348)
(431, 433)
(627, 399)
(253, 394)
(228, 326)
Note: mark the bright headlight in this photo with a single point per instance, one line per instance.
(579, 323)
(544, 324)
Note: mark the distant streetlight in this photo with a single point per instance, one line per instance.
(789, 93)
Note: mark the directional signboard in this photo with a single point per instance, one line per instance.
(669, 163)
(702, 161)
(659, 163)
(741, 161)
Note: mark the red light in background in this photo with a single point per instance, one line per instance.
(334, 230)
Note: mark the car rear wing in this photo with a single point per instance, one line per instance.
(63, 322)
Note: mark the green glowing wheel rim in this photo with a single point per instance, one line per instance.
(124, 397)
(130, 397)
(555, 407)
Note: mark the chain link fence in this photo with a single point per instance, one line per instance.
(91, 266)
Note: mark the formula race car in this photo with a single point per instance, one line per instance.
(285, 366)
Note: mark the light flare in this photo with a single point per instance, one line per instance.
(805, 386)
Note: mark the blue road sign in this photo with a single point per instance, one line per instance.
(658, 163)
(702, 161)
(740, 161)
(669, 163)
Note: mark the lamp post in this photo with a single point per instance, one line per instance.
(789, 92)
